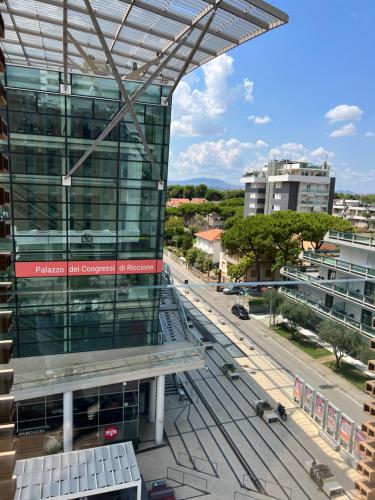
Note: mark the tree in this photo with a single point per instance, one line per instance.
(315, 225)
(214, 195)
(282, 229)
(191, 256)
(200, 191)
(189, 192)
(174, 227)
(187, 241)
(175, 191)
(273, 299)
(249, 235)
(297, 315)
(234, 193)
(343, 340)
(237, 271)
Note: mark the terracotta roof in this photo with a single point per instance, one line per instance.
(210, 235)
(175, 202)
(307, 245)
(198, 200)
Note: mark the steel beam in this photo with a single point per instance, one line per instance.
(191, 55)
(123, 21)
(121, 86)
(122, 112)
(107, 17)
(65, 40)
(179, 40)
(159, 11)
(84, 56)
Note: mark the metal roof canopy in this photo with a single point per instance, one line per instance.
(136, 31)
(77, 474)
(151, 41)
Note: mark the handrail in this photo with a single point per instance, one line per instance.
(130, 362)
(340, 264)
(353, 295)
(331, 313)
(194, 339)
(352, 237)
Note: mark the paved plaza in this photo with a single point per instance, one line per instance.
(216, 445)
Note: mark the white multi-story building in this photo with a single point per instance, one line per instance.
(351, 303)
(358, 213)
(289, 185)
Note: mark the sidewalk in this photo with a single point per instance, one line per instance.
(332, 377)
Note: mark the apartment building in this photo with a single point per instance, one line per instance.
(361, 215)
(288, 185)
(351, 303)
(83, 194)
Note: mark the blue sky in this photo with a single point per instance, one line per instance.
(303, 91)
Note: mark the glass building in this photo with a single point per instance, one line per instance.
(82, 211)
(113, 211)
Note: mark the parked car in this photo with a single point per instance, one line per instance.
(233, 290)
(240, 311)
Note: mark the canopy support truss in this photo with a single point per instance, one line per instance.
(121, 86)
(179, 41)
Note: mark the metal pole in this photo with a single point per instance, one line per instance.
(68, 421)
(152, 402)
(271, 301)
(159, 424)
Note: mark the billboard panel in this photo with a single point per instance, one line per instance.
(298, 389)
(359, 437)
(332, 420)
(319, 406)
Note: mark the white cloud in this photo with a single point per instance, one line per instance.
(225, 158)
(260, 120)
(364, 179)
(248, 87)
(344, 112)
(369, 134)
(344, 131)
(198, 112)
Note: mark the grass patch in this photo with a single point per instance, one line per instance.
(302, 343)
(350, 373)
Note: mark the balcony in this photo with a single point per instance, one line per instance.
(366, 272)
(338, 290)
(326, 312)
(356, 239)
(315, 191)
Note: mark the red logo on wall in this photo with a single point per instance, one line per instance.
(48, 269)
(110, 432)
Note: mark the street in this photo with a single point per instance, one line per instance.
(289, 358)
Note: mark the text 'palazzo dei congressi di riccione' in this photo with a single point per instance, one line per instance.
(86, 105)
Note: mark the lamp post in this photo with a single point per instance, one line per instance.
(271, 304)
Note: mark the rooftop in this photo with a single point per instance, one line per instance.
(78, 473)
(61, 35)
(210, 235)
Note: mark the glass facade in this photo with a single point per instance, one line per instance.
(101, 415)
(113, 211)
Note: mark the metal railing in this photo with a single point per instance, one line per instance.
(130, 363)
(367, 272)
(329, 313)
(353, 238)
(191, 336)
(352, 295)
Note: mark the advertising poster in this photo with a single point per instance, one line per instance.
(345, 434)
(319, 408)
(359, 437)
(308, 398)
(298, 389)
(331, 420)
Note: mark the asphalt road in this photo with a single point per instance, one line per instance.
(339, 392)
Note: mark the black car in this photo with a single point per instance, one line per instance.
(233, 290)
(240, 311)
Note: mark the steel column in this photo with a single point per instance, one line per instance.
(159, 424)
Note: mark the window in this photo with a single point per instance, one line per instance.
(277, 196)
(276, 208)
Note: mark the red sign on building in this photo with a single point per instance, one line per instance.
(48, 269)
(110, 432)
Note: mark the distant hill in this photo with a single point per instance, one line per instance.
(210, 182)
